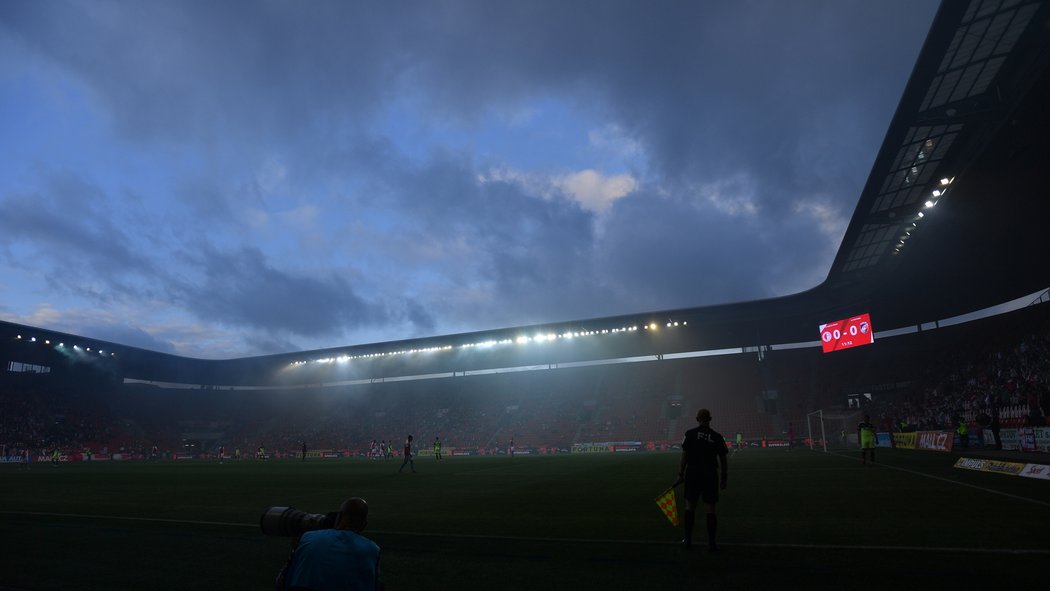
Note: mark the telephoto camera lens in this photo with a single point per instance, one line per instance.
(287, 521)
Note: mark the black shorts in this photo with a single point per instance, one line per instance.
(701, 485)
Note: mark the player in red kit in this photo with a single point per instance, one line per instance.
(408, 456)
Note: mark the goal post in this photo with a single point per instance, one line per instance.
(816, 419)
(831, 430)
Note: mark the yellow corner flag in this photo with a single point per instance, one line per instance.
(667, 504)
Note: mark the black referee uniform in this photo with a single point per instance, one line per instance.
(703, 449)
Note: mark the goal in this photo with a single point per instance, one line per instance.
(832, 430)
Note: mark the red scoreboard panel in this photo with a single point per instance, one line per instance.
(844, 334)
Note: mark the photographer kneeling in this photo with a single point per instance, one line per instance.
(339, 558)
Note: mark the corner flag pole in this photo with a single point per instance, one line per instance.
(676, 483)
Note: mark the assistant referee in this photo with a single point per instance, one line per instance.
(703, 453)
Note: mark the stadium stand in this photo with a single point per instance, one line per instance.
(925, 381)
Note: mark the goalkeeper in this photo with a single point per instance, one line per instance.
(703, 453)
(866, 432)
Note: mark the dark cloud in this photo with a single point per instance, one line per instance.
(708, 88)
(264, 343)
(678, 255)
(525, 251)
(72, 231)
(127, 335)
(69, 225)
(416, 313)
(241, 288)
(242, 70)
(681, 77)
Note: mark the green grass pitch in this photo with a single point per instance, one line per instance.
(788, 519)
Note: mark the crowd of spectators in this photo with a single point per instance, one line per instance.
(552, 409)
(39, 419)
(1008, 384)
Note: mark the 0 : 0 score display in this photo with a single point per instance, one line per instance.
(845, 334)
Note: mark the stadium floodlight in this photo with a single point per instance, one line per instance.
(936, 192)
(946, 181)
(32, 339)
(921, 214)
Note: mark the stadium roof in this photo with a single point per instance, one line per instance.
(951, 219)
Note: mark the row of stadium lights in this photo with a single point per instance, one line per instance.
(936, 195)
(540, 338)
(62, 345)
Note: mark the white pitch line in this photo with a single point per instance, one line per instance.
(483, 537)
(949, 549)
(124, 518)
(728, 544)
(942, 479)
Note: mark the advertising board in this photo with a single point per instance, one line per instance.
(934, 440)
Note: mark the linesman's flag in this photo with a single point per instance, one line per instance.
(667, 504)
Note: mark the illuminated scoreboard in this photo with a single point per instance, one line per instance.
(844, 334)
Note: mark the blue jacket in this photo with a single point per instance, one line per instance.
(334, 559)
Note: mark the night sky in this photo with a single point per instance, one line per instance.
(222, 179)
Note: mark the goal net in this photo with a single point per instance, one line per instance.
(832, 430)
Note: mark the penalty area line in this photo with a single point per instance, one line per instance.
(950, 481)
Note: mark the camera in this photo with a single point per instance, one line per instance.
(287, 521)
